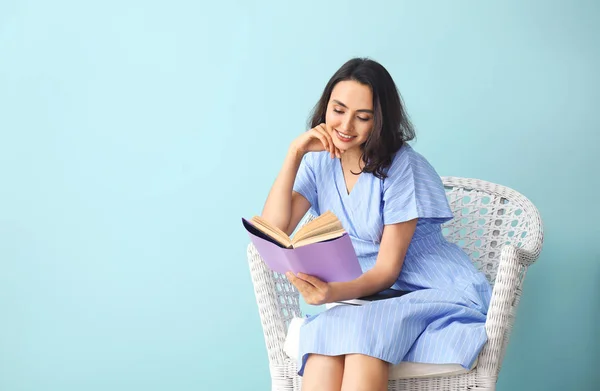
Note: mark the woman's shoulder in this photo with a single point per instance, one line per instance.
(408, 160)
(414, 181)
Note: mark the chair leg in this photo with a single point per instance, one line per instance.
(285, 378)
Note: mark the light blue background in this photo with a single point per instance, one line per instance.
(126, 165)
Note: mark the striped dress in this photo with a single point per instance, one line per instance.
(442, 320)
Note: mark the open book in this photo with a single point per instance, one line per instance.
(321, 248)
(322, 228)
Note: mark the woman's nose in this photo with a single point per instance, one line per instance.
(346, 123)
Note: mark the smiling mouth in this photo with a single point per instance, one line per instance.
(344, 136)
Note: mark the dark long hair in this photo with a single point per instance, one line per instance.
(391, 125)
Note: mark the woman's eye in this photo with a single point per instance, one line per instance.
(363, 119)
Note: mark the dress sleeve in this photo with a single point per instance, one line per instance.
(413, 189)
(306, 181)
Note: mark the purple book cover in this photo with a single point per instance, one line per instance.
(330, 261)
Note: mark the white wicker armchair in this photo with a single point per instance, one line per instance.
(502, 232)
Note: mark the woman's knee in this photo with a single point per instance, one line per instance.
(362, 372)
(323, 373)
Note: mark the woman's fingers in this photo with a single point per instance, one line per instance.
(323, 130)
(312, 280)
(330, 131)
(313, 290)
(324, 141)
(323, 133)
(319, 136)
(299, 283)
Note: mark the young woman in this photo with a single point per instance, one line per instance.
(355, 161)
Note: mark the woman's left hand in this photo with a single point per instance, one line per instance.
(313, 290)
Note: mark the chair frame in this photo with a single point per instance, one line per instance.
(499, 228)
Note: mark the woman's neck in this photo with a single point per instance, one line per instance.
(351, 160)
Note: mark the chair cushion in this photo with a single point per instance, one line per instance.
(403, 370)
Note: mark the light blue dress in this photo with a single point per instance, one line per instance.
(442, 320)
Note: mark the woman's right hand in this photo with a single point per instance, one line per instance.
(316, 140)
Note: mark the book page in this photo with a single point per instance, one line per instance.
(272, 231)
(323, 225)
(320, 238)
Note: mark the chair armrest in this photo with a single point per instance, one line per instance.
(274, 305)
(529, 253)
(499, 316)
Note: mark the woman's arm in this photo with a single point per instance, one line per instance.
(284, 208)
(392, 250)
(282, 202)
(394, 244)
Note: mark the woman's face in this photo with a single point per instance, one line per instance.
(350, 114)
